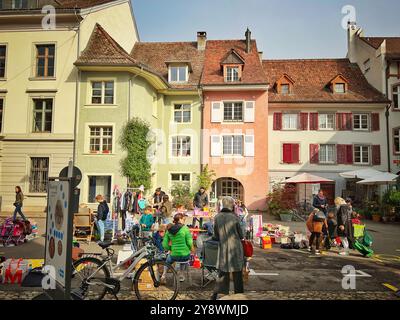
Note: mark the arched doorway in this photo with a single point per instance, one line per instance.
(223, 187)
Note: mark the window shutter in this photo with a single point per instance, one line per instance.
(314, 125)
(287, 153)
(339, 121)
(249, 111)
(215, 146)
(303, 121)
(348, 121)
(277, 121)
(216, 112)
(349, 154)
(341, 154)
(375, 121)
(295, 153)
(249, 146)
(376, 155)
(314, 153)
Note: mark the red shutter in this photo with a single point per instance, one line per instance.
(314, 153)
(376, 155)
(303, 121)
(349, 154)
(375, 121)
(314, 121)
(287, 153)
(295, 153)
(348, 121)
(339, 121)
(341, 154)
(277, 121)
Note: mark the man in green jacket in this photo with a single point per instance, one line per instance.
(179, 241)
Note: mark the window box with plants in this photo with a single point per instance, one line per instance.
(106, 151)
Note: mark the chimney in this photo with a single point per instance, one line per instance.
(352, 33)
(201, 40)
(248, 40)
(260, 55)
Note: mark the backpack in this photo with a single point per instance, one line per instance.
(319, 217)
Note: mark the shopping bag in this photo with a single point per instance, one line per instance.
(358, 230)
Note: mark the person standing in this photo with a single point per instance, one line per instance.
(102, 213)
(228, 232)
(158, 198)
(201, 199)
(320, 202)
(343, 224)
(19, 201)
(315, 223)
(166, 210)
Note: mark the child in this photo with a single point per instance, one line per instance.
(147, 220)
(158, 237)
(315, 223)
(332, 234)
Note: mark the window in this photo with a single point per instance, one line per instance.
(327, 153)
(360, 121)
(361, 154)
(231, 188)
(180, 178)
(396, 137)
(39, 175)
(181, 146)
(182, 113)
(233, 111)
(19, 4)
(396, 96)
(285, 88)
(232, 74)
(178, 74)
(45, 58)
(42, 115)
(103, 92)
(232, 145)
(99, 185)
(3, 51)
(1, 113)
(290, 121)
(326, 121)
(291, 153)
(101, 139)
(340, 88)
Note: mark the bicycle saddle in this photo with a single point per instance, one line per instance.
(104, 245)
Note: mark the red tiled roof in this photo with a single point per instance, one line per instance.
(217, 50)
(392, 45)
(155, 55)
(81, 4)
(312, 79)
(58, 4)
(102, 49)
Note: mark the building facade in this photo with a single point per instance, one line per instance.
(38, 88)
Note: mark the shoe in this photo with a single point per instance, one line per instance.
(182, 278)
(343, 253)
(309, 249)
(317, 252)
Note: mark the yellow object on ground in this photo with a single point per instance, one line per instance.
(389, 286)
(35, 263)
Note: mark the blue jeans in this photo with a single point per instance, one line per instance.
(100, 228)
(18, 209)
(171, 260)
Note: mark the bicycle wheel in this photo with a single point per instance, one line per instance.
(93, 288)
(159, 284)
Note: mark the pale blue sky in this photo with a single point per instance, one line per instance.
(283, 28)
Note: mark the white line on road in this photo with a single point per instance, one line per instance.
(253, 273)
(360, 274)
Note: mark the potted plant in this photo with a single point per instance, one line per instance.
(182, 196)
(281, 200)
(286, 215)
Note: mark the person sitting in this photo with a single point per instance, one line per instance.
(179, 241)
(158, 237)
(147, 220)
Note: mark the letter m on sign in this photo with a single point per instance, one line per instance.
(9, 277)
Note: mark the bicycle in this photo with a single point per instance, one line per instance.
(93, 278)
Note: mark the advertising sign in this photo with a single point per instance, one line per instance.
(57, 229)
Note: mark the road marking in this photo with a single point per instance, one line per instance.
(360, 274)
(389, 286)
(253, 273)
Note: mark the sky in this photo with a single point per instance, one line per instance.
(284, 29)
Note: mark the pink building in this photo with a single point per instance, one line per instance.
(235, 120)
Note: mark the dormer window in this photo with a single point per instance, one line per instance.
(232, 74)
(339, 84)
(178, 73)
(284, 85)
(285, 88)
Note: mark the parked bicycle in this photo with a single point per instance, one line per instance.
(94, 277)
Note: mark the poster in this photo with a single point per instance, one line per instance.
(57, 228)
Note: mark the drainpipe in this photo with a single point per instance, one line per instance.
(77, 81)
(387, 114)
(199, 91)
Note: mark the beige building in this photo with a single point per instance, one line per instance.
(39, 87)
(379, 61)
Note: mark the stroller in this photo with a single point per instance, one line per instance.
(362, 240)
(209, 271)
(14, 232)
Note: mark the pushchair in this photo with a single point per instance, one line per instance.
(362, 240)
(209, 255)
(12, 232)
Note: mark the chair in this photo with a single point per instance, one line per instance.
(83, 225)
(209, 271)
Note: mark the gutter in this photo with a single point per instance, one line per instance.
(77, 81)
(387, 114)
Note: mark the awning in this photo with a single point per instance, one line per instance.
(307, 178)
(360, 174)
(382, 178)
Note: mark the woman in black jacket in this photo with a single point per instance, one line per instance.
(320, 202)
(344, 226)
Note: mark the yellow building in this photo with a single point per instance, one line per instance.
(39, 86)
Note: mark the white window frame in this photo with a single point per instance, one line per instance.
(362, 146)
(230, 155)
(86, 177)
(101, 137)
(230, 75)
(5, 61)
(397, 93)
(174, 111)
(326, 160)
(297, 121)
(233, 111)
(323, 117)
(86, 148)
(172, 182)
(21, 4)
(288, 88)
(38, 156)
(339, 84)
(178, 74)
(103, 91)
(360, 114)
(180, 156)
